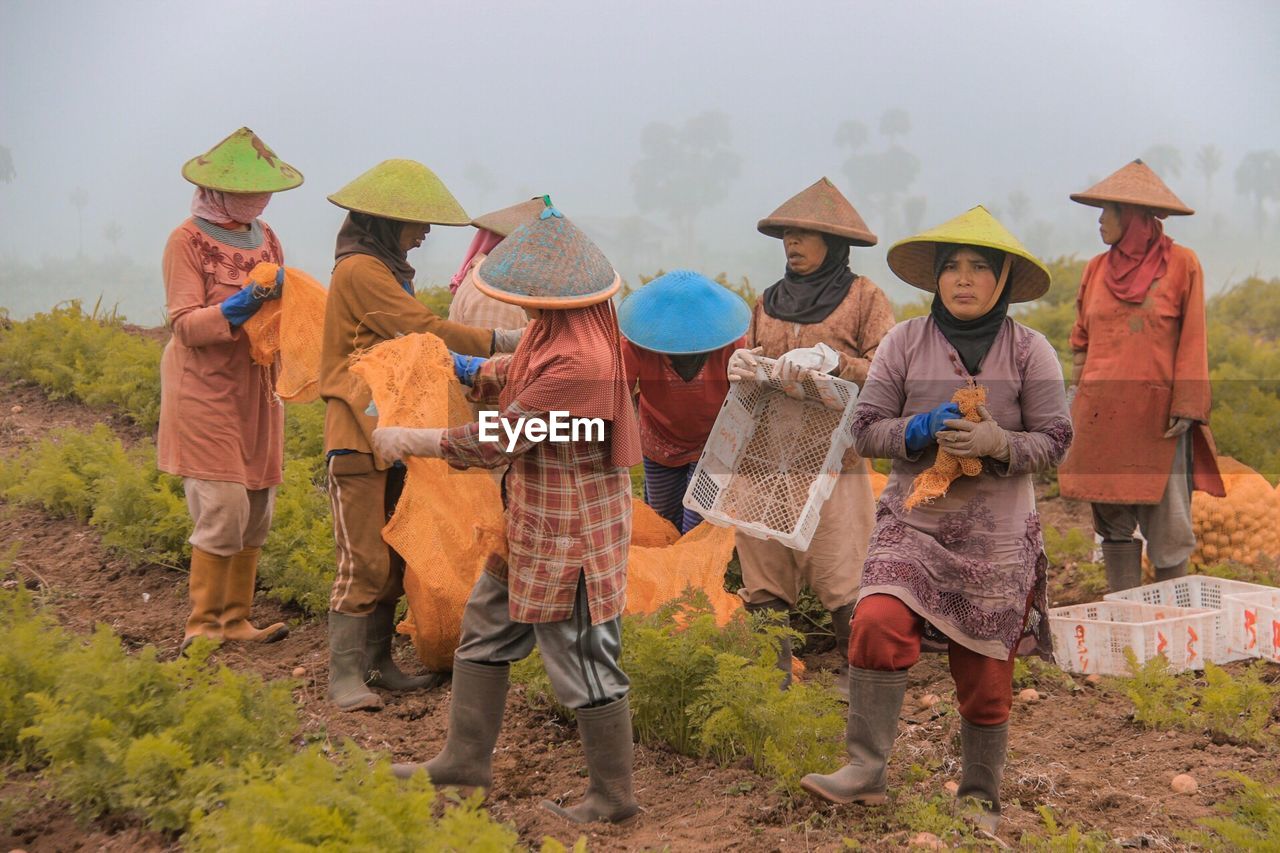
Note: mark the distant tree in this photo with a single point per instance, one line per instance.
(7, 172)
(79, 198)
(113, 232)
(913, 212)
(1208, 161)
(895, 123)
(1258, 175)
(1164, 159)
(852, 133)
(1019, 206)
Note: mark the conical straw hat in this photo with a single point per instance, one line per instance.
(1134, 184)
(820, 207)
(547, 263)
(912, 259)
(682, 313)
(404, 190)
(503, 222)
(241, 163)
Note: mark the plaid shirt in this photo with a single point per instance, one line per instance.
(568, 512)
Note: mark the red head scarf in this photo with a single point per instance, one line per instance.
(1140, 257)
(571, 360)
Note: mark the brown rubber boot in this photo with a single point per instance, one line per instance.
(475, 718)
(841, 625)
(381, 667)
(875, 701)
(239, 599)
(1123, 561)
(777, 605)
(606, 739)
(208, 576)
(348, 650)
(1172, 572)
(983, 750)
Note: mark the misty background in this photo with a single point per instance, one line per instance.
(663, 129)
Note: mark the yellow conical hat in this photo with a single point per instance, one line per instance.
(404, 190)
(912, 259)
(1134, 183)
(241, 163)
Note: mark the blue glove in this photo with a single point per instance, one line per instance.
(922, 428)
(241, 306)
(465, 367)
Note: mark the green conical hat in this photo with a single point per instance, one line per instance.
(404, 190)
(912, 259)
(241, 163)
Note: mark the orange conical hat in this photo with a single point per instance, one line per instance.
(1134, 184)
(823, 208)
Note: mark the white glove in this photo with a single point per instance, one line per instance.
(743, 364)
(398, 443)
(815, 362)
(506, 340)
(1177, 426)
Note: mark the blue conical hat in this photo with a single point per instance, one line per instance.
(682, 313)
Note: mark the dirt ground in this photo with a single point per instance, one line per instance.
(1075, 751)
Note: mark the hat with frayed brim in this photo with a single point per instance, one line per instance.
(547, 263)
(683, 313)
(241, 163)
(1138, 185)
(503, 222)
(823, 208)
(912, 259)
(403, 190)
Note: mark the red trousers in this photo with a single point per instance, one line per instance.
(886, 636)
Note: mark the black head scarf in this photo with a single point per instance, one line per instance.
(971, 338)
(365, 234)
(811, 298)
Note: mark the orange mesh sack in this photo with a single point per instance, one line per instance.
(1241, 527)
(659, 575)
(447, 522)
(648, 529)
(290, 327)
(931, 484)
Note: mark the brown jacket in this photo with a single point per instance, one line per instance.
(366, 306)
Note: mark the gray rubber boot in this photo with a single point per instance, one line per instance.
(777, 605)
(381, 670)
(1168, 574)
(606, 740)
(983, 750)
(1123, 561)
(875, 701)
(475, 718)
(347, 654)
(841, 624)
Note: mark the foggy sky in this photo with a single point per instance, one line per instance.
(545, 97)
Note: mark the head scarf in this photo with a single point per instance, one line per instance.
(1139, 257)
(571, 360)
(481, 244)
(228, 208)
(972, 338)
(811, 298)
(365, 234)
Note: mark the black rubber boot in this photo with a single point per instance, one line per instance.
(1168, 574)
(983, 750)
(381, 667)
(606, 739)
(348, 642)
(1123, 561)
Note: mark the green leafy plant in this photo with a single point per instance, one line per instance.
(1059, 839)
(1231, 708)
(31, 645)
(1249, 819)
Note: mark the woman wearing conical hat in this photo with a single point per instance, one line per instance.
(391, 210)
(821, 313)
(568, 514)
(967, 570)
(679, 332)
(1140, 382)
(220, 428)
(469, 306)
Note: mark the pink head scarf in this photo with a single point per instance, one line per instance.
(227, 208)
(481, 244)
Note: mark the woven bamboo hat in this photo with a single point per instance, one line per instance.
(503, 222)
(820, 207)
(912, 259)
(1135, 184)
(683, 313)
(404, 190)
(547, 263)
(241, 163)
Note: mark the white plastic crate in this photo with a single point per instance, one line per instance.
(1253, 621)
(772, 460)
(1091, 638)
(1199, 591)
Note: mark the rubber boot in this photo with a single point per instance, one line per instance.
(777, 605)
(841, 624)
(875, 701)
(208, 576)
(381, 667)
(1123, 561)
(239, 600)
(348, 650)
(606, 740)
(1175, 571)
(983, 750)
(475, 718)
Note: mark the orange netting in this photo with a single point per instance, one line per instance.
(650, 530)
(291, 326)
(933, 483)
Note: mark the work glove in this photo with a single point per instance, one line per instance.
(743, 364)
(816, 362)
(243, 304)
(399, 443)
(465, 367)
(1177, 426)
(506, 340)
(922, 428)
(967, 439)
